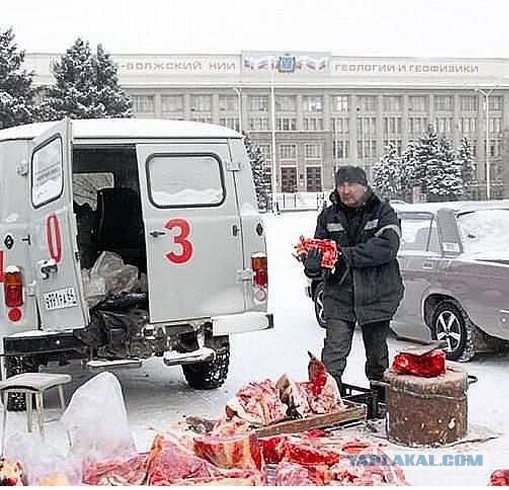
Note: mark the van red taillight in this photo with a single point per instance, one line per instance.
(13, 288)
(259, 266)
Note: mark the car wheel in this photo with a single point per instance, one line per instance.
(318, 301)
(450, 324)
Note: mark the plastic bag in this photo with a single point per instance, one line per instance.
(44, 464)
(96, 420)
(94, 288)
(118, 277)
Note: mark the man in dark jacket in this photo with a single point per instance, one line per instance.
(366, 285)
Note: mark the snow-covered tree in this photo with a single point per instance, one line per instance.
(260, 175)
(408, 172)
(466, 161)
(451, 185)
(387, 174)
(428, 169)
(16, 91)
(86, 86)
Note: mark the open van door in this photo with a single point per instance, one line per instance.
(54, 250)
(192, 231)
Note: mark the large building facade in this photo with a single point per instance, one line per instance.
(311, 112)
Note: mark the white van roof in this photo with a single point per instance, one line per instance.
(125, 128)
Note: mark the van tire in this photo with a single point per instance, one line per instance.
(211, 374)
(18, 365)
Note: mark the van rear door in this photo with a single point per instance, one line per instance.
(53, 250)
(192, 231)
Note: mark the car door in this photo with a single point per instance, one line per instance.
(53, 246)
(419, 261)
(192, 230)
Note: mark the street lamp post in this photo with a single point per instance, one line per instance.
(273, 126)
(486, 94)
(238, 91)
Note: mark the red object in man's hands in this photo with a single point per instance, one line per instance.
(328, 249)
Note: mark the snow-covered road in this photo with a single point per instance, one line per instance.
(157, 395)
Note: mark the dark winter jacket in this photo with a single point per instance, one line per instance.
(366, 285)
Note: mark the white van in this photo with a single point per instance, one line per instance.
(121, 239)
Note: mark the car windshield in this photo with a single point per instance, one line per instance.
(485, 231)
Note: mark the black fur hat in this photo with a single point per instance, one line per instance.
(351, 174)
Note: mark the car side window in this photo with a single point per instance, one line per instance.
(434, 242)
(416, 232)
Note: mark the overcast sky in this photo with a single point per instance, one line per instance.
(444, 28)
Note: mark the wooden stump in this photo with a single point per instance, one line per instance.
(427, 411)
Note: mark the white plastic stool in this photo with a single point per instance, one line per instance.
(32, 384)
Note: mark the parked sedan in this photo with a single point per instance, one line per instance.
(454, 258)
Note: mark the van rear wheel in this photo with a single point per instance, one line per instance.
(211, 374)
(19, 365)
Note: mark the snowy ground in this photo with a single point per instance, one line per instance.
(156, 395)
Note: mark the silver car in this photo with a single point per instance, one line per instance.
(454, 258)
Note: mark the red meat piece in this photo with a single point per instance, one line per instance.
(132, 471)
(274, 448)
(236, 451)
(169, 462)
(428, 365)
(295, 475)
(329, 249)
(499, 478)
(308, 455)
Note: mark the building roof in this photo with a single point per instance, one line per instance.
(125, 128)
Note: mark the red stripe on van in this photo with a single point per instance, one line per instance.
(1, 266)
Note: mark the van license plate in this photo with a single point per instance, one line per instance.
(61, 298)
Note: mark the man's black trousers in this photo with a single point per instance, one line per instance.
(338, 343)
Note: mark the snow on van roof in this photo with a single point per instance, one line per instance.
(125, 128)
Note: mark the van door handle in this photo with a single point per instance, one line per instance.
(427, 265)
(156, 233)
(235, 230)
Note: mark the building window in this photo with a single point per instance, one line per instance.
(288, 152)
(366, 149)
(468, 125)
(473, 148)
(265, 150)
(313, 151)
(444, 125)
(366, 126)
(230, 122)
(417, 125)
(201, 118)
(367, 103)
(286, 103)
(494, 148)
(340, 149)
(201, 103)
(312, 103)
(495, 124)
(258, 123)
(228, 103)
(313, 124)
(143, 103)
(392, 103)
(288, 179)
(172, 103)
(444, 102)
(286, 124)
(469, 103)
(495, 103)
(313, 179)
(340, 125)
(398, 145)
(391, 125)
(259, 103)
(340, 103)
(418, 103)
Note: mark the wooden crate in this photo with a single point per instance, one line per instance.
(352, 413)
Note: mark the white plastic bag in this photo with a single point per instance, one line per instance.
(96, 421)
(118, 277)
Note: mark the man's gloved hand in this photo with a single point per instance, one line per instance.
(313, 263)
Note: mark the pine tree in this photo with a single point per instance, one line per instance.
(466, 161)
(16, 92)
(428, 168)
(408, 172)
(386, 174)
(86, 86)
(261, 177)
(451, 185)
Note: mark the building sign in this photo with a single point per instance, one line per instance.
(285, 62)
(176, 65)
